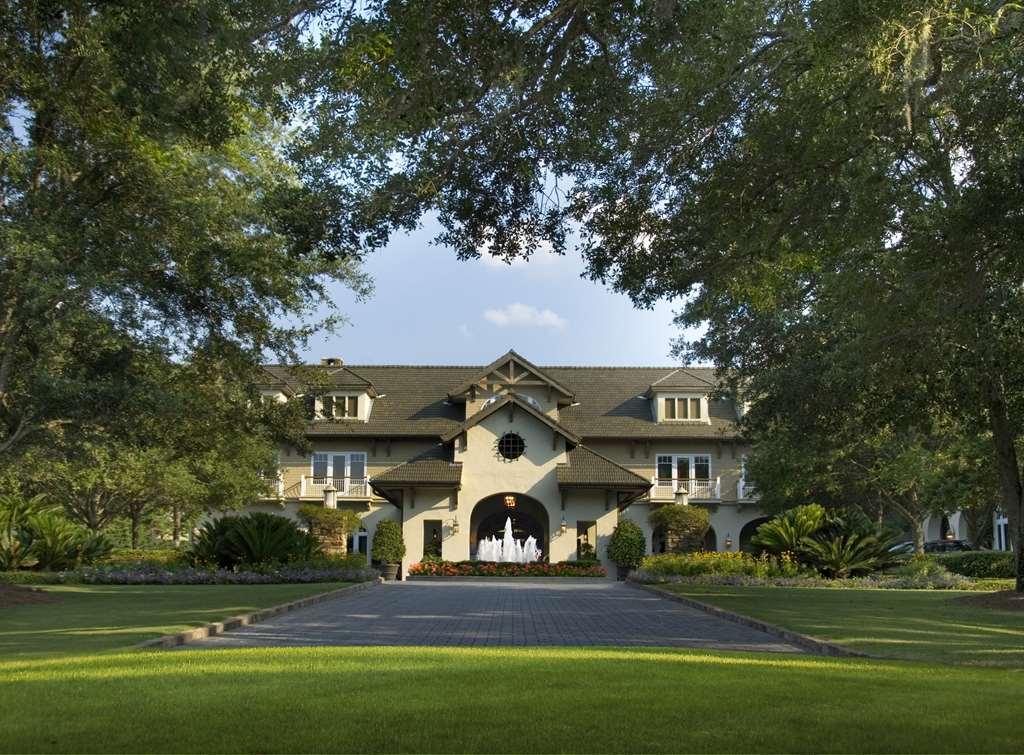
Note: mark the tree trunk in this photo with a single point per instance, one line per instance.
(1008, 465)
(176, 526)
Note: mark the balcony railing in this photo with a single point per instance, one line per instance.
(274, 485)
(745, 490)
(709, 489)
(313, 486)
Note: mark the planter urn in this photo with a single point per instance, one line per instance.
(389, 572)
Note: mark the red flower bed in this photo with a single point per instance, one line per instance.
(490, 569)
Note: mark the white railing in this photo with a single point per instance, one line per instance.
(709, 489)
(745, 490)
(313, 486)
(275, 485)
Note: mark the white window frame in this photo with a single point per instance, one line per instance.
(662, 415)
(1000, 531)
(692, 459)
(336, 395)
(332, 475)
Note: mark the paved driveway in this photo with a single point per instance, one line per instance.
(500, 612)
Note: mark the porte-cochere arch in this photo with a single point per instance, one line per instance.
(529, 518)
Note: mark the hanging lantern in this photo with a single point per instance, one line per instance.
(510, 502)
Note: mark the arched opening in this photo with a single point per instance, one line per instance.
(748, 532)
(529, 518)
(710, 540)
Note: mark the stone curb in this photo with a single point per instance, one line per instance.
(812, 644)
(234, 622)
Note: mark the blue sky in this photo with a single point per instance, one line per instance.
(430, 308)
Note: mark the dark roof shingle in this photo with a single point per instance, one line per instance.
(587, 468)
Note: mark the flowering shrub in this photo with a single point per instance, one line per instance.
(156, 575)
(718, 563)
(491, 569)
(875, 582)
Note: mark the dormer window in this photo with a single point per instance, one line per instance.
(340, 406)
(681, 408)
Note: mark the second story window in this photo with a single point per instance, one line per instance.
(683, 407)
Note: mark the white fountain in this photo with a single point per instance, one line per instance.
(508, 549)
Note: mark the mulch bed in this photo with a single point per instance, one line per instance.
(16, 595)
(1006, 600)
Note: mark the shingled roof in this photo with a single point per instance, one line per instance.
(502, 402)
(586, 468)
(433, 467)
(611, 402)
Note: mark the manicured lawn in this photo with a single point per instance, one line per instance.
(84, 617)
(501, 700)
(923, 625)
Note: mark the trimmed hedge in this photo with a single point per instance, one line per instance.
(978, 564)
(493, 569)
(717, 563)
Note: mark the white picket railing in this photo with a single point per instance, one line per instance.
(745, 490)
(709, 489)
(346, 486)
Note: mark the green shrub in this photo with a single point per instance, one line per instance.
(256, 538)
(586, 552)
(627, 546)
(850, 555)
(719, 563)
(144, 556)
(684, 526)
(330, 522)
(979, 564)
(388, 547)
(15, 538)
(788, 531)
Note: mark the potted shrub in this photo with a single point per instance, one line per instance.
(388, 548)
(627, 547)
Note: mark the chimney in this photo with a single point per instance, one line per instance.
(332, 362)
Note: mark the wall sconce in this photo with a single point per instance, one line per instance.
(510, 502)
(951, 535)
(562, 527)
(728, 541)
(455, 526)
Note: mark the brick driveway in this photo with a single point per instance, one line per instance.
(500, 612)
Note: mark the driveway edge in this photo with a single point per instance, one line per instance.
(234, 622)
(813, 644)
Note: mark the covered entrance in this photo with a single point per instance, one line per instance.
(529, 518)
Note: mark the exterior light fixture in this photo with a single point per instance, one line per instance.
(455, 526)
(510, 502)
(562, 527)
(728, 541)
(950, 535)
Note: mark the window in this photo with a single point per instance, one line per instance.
(1001, 533)
(677, 471)
(511, 446)
(683, 407)
(342, 470)
(334, 406)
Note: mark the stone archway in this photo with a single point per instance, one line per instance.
(710, 540)
(748, 532)
(529, 518)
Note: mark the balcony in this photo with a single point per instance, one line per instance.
(745, 491)
(697, 489)
(347, 487)
(311, 486)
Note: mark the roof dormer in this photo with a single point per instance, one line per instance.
(680, 396)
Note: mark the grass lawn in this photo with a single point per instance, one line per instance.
(82, 620)
(501, 700)
(922, 625)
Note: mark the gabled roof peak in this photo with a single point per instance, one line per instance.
(515, 401)
(512, 370)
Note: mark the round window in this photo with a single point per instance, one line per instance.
(511, 446)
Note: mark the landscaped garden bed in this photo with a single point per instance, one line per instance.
(493, 569)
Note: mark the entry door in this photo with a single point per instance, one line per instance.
(683, 473)
(339, 463)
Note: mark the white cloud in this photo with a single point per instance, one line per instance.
(542, 256)
(523, 315)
